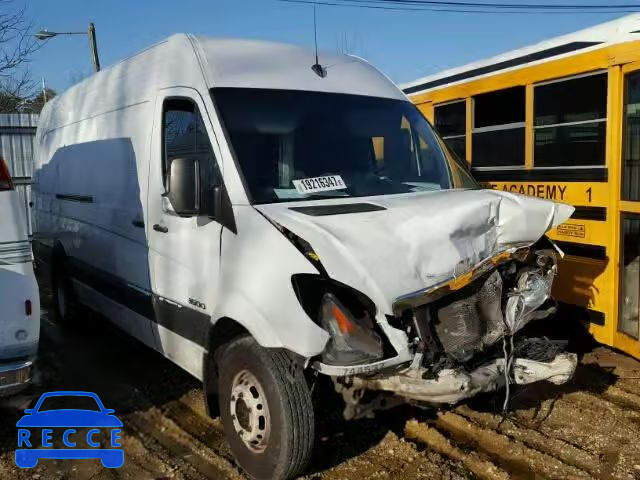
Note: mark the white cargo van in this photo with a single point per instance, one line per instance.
(19, 297)
(256, 219)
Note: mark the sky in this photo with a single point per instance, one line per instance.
(404, 45)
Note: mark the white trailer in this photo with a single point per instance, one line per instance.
(19, 297)
(254, 218)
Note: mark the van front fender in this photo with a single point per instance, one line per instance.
(290, 329)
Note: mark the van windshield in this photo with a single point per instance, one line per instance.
(297, 145)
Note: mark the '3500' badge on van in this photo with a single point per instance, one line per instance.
(319, 184)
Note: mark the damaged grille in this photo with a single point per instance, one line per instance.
(457, 328)
(463, 323)
(466, 325)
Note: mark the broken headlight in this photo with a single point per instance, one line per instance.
(347, 314)
(352, 340)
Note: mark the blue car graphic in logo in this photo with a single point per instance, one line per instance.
(36, 428)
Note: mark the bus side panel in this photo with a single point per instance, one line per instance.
(586, 274)
(585, 282)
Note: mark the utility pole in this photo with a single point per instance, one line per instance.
(94, 47)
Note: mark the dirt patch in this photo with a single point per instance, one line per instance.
(588, 428)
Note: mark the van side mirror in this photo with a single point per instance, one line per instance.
(183, 185)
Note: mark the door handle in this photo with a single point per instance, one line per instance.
(137, 223)
(160, 228)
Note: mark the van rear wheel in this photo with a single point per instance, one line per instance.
(266, 409)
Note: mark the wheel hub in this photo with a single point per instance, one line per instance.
(249, 411)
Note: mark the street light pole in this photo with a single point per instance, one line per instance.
(93, 45)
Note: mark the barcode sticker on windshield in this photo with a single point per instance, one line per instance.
(319, 184)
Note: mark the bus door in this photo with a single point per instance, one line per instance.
(628, 331)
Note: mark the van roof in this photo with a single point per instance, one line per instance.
(262, 64)
(620, 30)
(205, 62)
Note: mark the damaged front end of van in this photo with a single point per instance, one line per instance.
(425, 298)
(463, 335)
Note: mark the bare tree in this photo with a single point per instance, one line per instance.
(17, 42)
(15, 91)
(17, 45)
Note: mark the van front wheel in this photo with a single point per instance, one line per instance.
(266, 409)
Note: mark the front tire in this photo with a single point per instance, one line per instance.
(266, 409)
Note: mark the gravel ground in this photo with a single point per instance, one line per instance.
(589, 428)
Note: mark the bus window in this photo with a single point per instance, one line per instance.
(631, 148)
(570, 122)
(498, 128)
(451, 123)
(630, 276)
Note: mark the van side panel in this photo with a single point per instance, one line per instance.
(91, 181)
(93, 205)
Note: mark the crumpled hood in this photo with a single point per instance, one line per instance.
(414, 241)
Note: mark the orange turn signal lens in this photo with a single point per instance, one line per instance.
(344, 324)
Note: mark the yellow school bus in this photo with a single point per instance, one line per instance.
(561, 120)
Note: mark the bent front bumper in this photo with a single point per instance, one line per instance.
(453, 385)
(14, 377)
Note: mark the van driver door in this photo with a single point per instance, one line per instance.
(184, 248)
